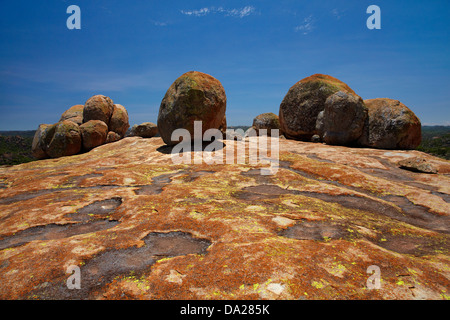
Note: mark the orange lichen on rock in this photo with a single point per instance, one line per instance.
(140, 227)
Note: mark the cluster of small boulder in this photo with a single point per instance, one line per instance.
(81, 128)
(319, 108)
(323, 108)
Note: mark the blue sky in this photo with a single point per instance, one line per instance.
(133, 50)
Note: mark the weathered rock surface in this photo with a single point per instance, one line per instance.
(119, 120)
(268, 121)
(303, 103)
(74, 113)
(112, 137)
(144, 130)
(140, 227)
(194, 96)
(417, 164)
(343, 118)
(66, 140)
(94, 133)
(41, 140)
(390, 125)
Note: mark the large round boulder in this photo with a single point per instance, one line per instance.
(390, 125)
(98, 107)
(74, 114)
(268, 121)
(303, 103)
(343, 118)
(66, 140)
(94, 133)
(119, 120)
(194, 96)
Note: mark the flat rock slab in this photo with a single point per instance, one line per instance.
(140, 227)
(417, 164)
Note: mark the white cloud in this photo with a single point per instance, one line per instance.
(239, 13)
(246, 11)
(196, 13)
(307, 26)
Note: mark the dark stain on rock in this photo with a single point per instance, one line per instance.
(159, 182)
(444, 196)
(414, 245)
(315, 230)
(78, 179)
(314, 156)
(107, 266)
(34, 194)
(54, 231)
(148, 190)
(25, 196)
(390, 173)
(257, 176)
(191, 176)
(164, 179)
(420, 216)
(410, 213)
(92, 218)
(96, 210)
(355, 202)
(264, 191)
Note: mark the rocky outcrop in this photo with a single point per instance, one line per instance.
(325, 108)
(268, 121)
(303, 103)
(81, 128)
(194, 96)
(144, 130)
(140, 227)
(390, 125)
